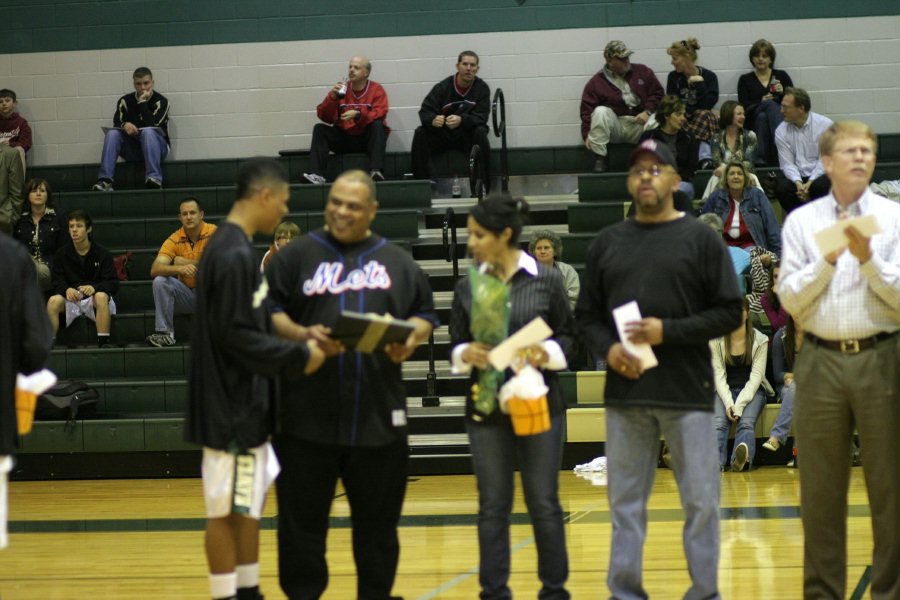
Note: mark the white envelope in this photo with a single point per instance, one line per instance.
(535, 332)
(832, 238)
(626, 314)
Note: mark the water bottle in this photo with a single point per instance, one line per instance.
(456, 191)
(343, 89)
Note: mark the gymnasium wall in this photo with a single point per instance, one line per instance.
(244, 77)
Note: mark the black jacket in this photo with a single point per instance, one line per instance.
(234, 355)
(96, 269)
(25, 333)
(444, 99)
(152, 113)
(52, 234)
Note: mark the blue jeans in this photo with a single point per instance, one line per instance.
(496, 451)
(785, 414)
(171, 297)
(767, 119)
(150, 146)
(632, 448)
(745, 430)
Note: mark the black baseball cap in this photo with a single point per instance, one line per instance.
(659, 150)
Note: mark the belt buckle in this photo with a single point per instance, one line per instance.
(850, 346)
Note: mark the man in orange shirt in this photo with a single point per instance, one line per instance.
(175, 269)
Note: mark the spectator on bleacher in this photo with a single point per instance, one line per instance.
(739, 364)
(644, 259)
(174, 271)
(797, 140)
(732, 142)
(618, 103)
(345, 266)
(760, 92)
(12, 176)
(786, 344)
(740, 258)
(671, 131)
(698, 88)
(285, 233)
(354, 112)
(535, 291)
(14, 129)
(546, 246)
(84, 279)
(746, 212)
(454, 115)
(235, 360)
(41, 229)
(140, 131)
(24, 348)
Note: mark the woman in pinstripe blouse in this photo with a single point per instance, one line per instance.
(536, 290)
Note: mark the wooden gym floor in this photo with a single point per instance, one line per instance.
(143, 539)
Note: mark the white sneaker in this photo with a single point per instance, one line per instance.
(103, 185)
(160, 340)
(314, 178)
(772, 444)
(741, 454)
(376, 175)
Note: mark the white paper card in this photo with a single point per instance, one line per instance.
(832, 238)
(534, 333)
(626, 314)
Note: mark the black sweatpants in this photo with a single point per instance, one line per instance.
(375, 482)
(428, 141)
(327, 138)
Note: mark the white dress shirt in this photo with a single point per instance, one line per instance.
(798, 147)
(847, 300)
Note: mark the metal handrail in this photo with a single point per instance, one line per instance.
(499, 106)
(431, 398)
(476, 173)
(449, 237)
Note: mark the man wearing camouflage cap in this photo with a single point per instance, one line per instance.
(618, 102)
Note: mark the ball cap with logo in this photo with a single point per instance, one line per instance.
(658, 150)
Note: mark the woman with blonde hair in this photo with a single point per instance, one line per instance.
(698, 87)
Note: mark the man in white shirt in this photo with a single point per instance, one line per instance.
(848, 374)
(797, 140)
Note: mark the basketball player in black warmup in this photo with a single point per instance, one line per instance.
(234, 360)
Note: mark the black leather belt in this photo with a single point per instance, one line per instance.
(850, 346)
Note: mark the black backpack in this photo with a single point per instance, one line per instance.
(66, 401)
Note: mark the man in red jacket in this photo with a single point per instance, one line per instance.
(353, 112)
(618, 102)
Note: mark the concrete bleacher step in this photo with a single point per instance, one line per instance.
(217, 200)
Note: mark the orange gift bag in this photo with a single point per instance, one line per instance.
(524, 399)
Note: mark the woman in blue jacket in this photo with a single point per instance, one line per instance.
(747, 216)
